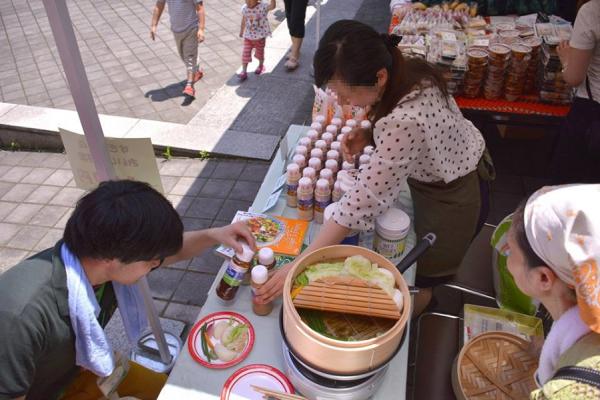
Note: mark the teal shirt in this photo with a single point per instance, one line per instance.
(37, 343)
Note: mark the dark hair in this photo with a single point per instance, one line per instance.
(125, 220)
(518, 227)
(355, 52)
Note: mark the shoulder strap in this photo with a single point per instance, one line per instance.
(588, 376)
(588, 87)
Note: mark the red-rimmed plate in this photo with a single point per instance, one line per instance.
(239, 385)
(195, 339)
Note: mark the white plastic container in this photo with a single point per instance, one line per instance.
(391, 229)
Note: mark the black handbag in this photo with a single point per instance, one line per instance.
(579, 374)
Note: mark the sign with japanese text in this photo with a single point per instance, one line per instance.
(131, 158)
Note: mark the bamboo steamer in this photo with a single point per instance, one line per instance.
(335, 356)
(494, 365)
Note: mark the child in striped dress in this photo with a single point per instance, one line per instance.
(254, 29)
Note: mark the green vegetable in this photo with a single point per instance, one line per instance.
(323, 270)
(301, 280)
(235, 333)
(360, 267)
(204, 344)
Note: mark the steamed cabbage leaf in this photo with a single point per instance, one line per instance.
(361, 267)
(323, 270)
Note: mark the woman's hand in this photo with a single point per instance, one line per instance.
(230, 236)
(274, 286)
(355, 141)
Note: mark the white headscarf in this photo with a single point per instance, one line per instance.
(562, 224)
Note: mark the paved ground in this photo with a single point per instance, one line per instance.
(37, 196)
(129, 74)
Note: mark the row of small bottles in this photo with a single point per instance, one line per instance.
(240, 269)
(312, 185)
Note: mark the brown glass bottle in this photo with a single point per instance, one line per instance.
(238, 267)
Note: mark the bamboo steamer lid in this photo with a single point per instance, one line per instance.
(495, 365)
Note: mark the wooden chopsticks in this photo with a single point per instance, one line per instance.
(275, 395)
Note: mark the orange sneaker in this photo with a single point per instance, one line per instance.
(189, 91)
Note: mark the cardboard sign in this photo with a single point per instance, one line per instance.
(131, 158)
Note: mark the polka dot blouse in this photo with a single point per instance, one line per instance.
(424, 138)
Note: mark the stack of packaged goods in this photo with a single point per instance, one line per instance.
(447, 51)
(535, 64)
(499, 60)
(515, 78)
(554, 89)
(477, 68)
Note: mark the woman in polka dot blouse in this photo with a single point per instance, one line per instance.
(419, 135)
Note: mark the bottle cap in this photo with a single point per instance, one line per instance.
(316, 153)
(368, 150)
(260, 274)
(312, 135)
(340, 137)
(346, 166)
(337, 122)
(309, 173)
(327, 137)
(305, 182)
(326, 174)
(350, 123)
(321, 144)
(336, 146)
(332, 165)
(320, 119)
(315, 163)
(247, 254)
(293, 169)
(333, 129)
(366, 124)
(322, 185)
(305, 142)
(302, 150)
(266, 256)
(346, 130)
(333, 155)
(393, 224)
(364, 159)
(316, 126)
(300, 160)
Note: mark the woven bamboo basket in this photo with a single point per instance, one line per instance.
(495, 365)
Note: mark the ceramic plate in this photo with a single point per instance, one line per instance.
(239, 385)
(195, 344)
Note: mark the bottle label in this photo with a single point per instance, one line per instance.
(320, 206)
(292, 189)
(234, 275)
(305, 204)
(388, 248)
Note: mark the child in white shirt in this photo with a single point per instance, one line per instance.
(254, 29)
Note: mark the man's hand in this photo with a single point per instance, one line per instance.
(153, 32)
(355, 141)
(274, 286)
(563, 50)
(230, 236)
(200, 35)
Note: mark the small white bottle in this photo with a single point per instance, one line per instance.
(337, 146)
(336, 193)
(302, 150)
(351, 123)
(300, 160)
(317, 127)
(316, 164)
(337, 122)
(293, 176)
(369, 150)
(321, 144)
(320, 119)
(313, 136)
(327, 174)
(364, 159)
(346, 130)
(305, 141)
(305, 199)
(328, 138)
(365, 124)
(333, 129)
(259, 276)
(309, 173)
(322, 199)
(316, 153)
(333, 166)
(340, 137)
(266, 257)
(333, 155)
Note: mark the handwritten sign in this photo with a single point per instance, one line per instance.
(131, 158)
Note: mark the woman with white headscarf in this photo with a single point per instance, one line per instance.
(554, 256)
